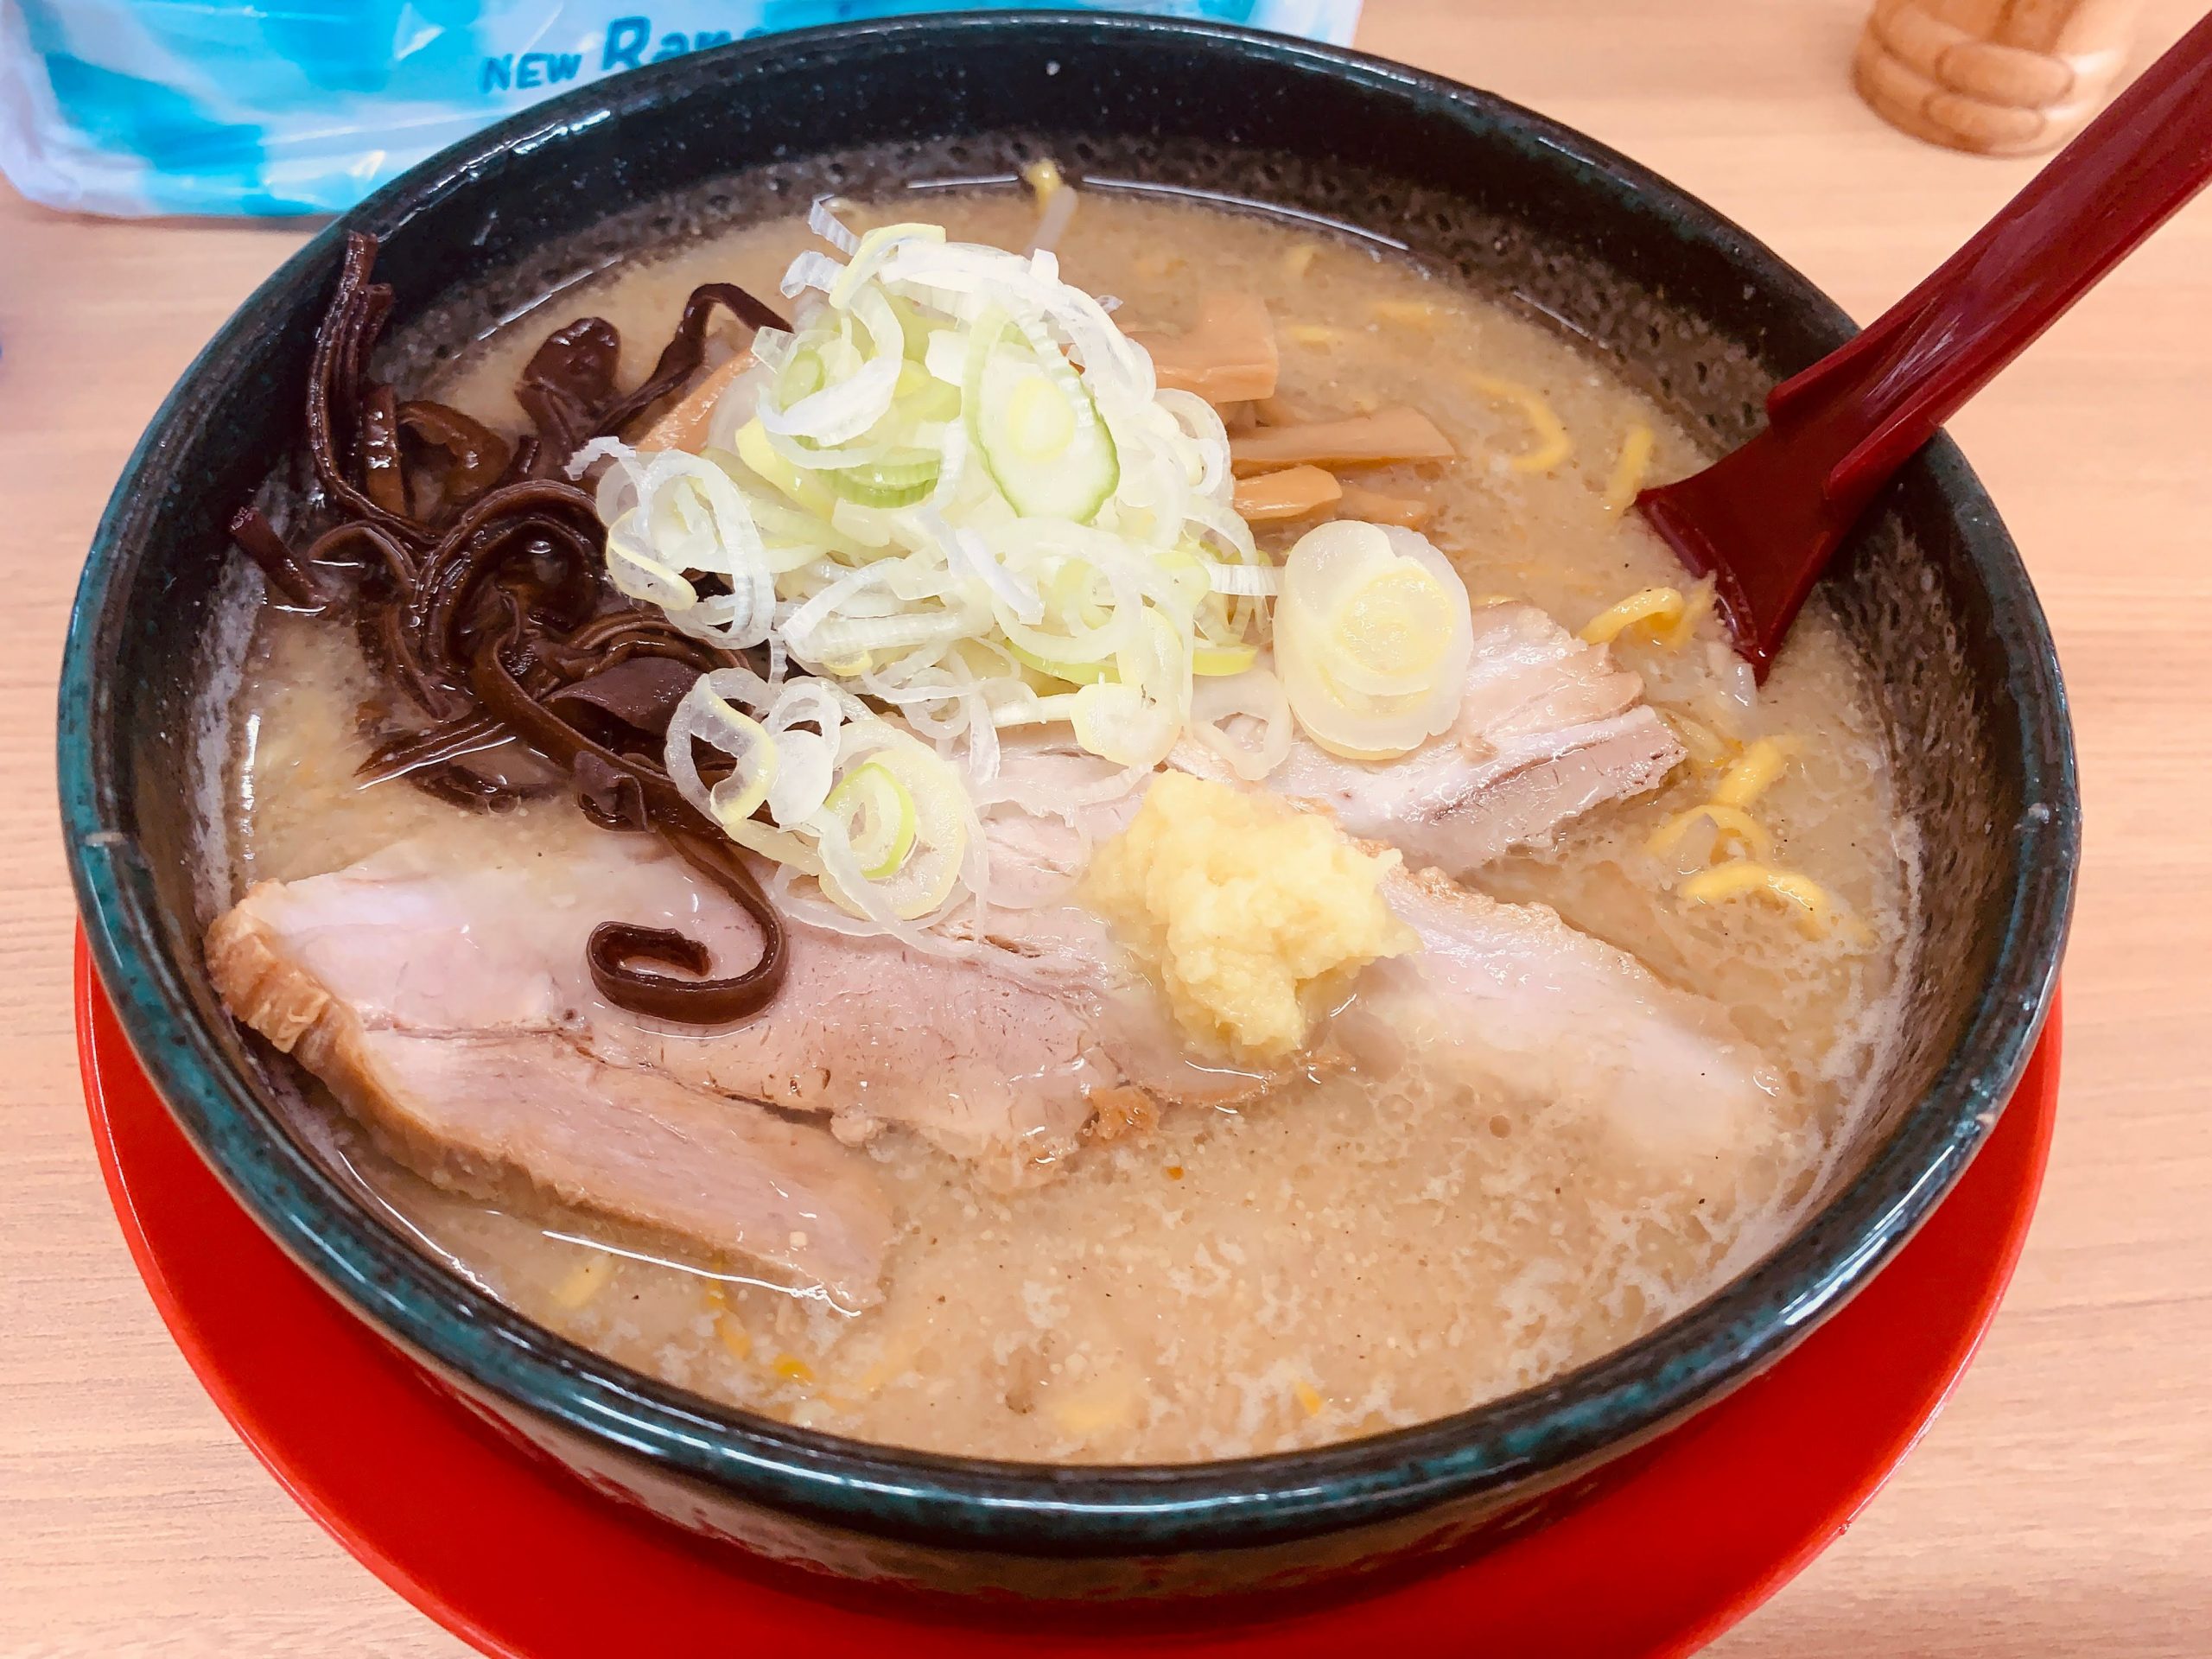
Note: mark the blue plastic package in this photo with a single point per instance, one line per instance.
(304, 107)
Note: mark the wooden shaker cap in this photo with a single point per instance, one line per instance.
(1999, 77)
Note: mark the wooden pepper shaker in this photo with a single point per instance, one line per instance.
(1999, 76)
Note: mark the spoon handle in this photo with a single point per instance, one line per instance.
(1885, 394)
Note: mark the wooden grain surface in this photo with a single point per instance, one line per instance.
(2061, 1505)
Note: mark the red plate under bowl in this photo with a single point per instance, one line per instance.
(514, 1557)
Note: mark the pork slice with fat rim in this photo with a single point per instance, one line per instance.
(989, 1057)
(483, 1110)
(1511, 995)
(1548, 729)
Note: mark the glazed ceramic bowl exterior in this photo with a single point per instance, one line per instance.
(1687, 305)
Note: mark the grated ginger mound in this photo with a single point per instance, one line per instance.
(1241, 904)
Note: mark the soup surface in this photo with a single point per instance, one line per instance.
(1363, 1247)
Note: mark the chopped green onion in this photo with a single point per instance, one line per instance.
(897, 481)
(877, 814)
(802, 374)
(917, 491)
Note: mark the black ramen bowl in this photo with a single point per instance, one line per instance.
(1683, 302)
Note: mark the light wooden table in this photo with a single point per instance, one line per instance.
(2062, 1504)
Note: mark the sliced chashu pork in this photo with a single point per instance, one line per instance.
(1511, 996)
(1548, 729)
(484, 1107)
(467, 934)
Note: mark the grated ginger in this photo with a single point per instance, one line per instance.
(1242, 906)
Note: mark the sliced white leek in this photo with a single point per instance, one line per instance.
(707, 715)
(932, 818)
(1256, 696)
(1373, 635)
(1118, 722)
(878, 818)
(1037, 429)
(877, 812)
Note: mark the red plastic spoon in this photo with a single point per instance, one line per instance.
(1765, 521)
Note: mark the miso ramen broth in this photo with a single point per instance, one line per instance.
(1378, 1238)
